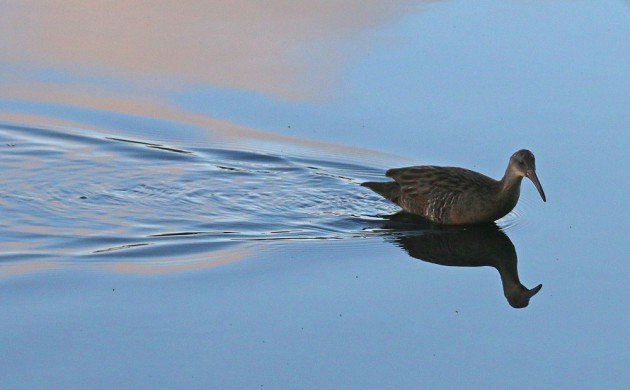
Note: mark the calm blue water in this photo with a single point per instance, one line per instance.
(180, 202)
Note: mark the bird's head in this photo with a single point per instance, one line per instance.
(523, 163)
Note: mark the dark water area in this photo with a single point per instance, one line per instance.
(184, 209)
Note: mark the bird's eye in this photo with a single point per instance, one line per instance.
(521, 162)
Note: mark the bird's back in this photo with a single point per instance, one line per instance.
(443, 194)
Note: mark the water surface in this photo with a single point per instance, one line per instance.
(180, 201)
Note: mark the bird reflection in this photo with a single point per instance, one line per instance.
(470, 246)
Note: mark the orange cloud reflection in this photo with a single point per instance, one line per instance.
(216, 130)
(287, 48)
(181, 264)
(153, 267)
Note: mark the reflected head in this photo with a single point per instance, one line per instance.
(519, 299)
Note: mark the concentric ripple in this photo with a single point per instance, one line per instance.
(69, 193)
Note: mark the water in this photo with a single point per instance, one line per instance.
(180, 201)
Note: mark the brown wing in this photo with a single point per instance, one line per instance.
(414, 188)
(412, 175)
(450, 179)
(432, 191)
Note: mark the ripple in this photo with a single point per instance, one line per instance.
(518, 219)
(511, 221)
(81, 193)
(84, 196)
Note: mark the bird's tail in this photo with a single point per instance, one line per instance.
(388, 190)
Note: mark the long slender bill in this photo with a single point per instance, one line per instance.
(534, 178)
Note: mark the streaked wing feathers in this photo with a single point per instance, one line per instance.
(432, 191)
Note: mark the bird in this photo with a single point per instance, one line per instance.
(458, 196)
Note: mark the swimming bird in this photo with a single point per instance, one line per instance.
(458, 196)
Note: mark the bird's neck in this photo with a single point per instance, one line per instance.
(509, 274)
(510, 188)
(513, 290)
